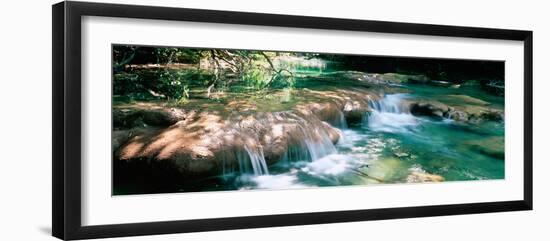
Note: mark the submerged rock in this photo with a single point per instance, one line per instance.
(493, 146)
(465, 99)
(386, 170)
(456, 107)
(420, 176)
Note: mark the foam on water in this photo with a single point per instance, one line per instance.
(281, 181)
(390, 115)
(333, 164)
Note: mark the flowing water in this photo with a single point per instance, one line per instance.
(390, 145)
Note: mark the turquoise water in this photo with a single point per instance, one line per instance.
(389, 146)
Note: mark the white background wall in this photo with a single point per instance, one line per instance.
(25, 122)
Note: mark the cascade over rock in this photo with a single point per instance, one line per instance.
(171, 145)
(210, 143)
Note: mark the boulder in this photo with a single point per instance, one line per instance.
(162, 117)
(429, 108)
(456, 107)
(333, 134)
(210, 144)
(120, 137)
(126, 118)
(457, 115)
(493, 115)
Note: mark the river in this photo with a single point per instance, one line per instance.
(388, 145)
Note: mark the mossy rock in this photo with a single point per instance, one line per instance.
(493, 146)
(429, 108)
(464, 99)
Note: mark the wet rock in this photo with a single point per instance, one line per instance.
(421, 176)
(354, 112)
(126, 118)
(277, 141)
(478, 114)
(385, 170)
(211, 144)
(432, 109)
(465, 99)
(494, 115)
(329, 112)
(333, 133)
(354, 117)
(393, 78)
(493, 147)
(180, 146)
(457, 115)
(456, 107)
(381, 79)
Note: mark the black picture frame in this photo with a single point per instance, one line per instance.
(66, 128)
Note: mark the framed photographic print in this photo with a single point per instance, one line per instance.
(171, 120)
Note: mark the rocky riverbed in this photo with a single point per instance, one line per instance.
(365, 130)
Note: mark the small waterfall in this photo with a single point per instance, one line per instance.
(390, 104)
(318, 144)
(316, 140)
(341, 122)
(257, 160)
(252, 157)
(390, 115)
(295, 153)
(313, 141)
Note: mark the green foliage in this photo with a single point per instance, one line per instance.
(135, 78)
(256, 78)
(259, 78)
(283, 80)
(185, 95)
(159, 84)
(126, 83)
(177, 55)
